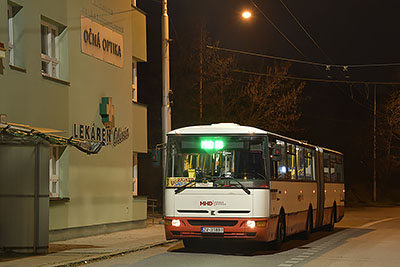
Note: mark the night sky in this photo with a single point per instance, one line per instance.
(337, 116)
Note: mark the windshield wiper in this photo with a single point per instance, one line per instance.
(183, 187)
(245, 189)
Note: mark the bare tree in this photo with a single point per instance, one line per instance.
(389, 136)
(270, 102)
(200, 80)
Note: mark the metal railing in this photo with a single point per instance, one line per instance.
(152, 203)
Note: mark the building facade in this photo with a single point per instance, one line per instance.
(70, 67)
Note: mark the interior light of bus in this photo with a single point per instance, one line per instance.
(344, 190)
(176, 222)
(208, 144)
(282, 169)
(251, 224)
(314, 191)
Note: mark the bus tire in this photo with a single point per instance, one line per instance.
(331, 225)
(190, 243)
(309, 225)
(280, 232)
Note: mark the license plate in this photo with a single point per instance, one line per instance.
(212, 230)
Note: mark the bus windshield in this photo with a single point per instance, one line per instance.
(215, 161)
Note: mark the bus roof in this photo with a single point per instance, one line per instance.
(219, 128)
(233, 128)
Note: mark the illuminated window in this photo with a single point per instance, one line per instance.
(134, 81)
(326, 167)
(291, 161)
(282, 166)
(308, 164)
(135, 174)
(333, 168)
(300, 162)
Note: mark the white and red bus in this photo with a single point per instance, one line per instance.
(230, 181)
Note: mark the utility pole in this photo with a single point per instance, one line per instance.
(166, 108)
(374, 164)
(201, 82)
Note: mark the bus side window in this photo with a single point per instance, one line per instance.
(308, 164)
(291, 156)
(339, 169)
(332, 168)
(326, 167)
(300, 162)
(279, 167)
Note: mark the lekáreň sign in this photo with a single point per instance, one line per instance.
(101, 42)
(109, 136)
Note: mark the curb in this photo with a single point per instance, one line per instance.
(114, 254)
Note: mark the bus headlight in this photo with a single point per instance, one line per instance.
(251, 224)
(176, 222)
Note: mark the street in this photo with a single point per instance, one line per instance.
(365, 237)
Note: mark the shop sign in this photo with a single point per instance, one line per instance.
(109, 136)
(101, 42)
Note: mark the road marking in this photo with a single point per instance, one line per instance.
(303, 256)
(307, 253)
(297, 259)
(294, 262)
(285, 265)
(376, 222)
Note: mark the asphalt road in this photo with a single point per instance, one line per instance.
(365, 237)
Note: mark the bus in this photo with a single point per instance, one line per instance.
(230, 181)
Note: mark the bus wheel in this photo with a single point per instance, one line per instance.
(331, 225)
(309, 226)
(280, 232)
(190, 243)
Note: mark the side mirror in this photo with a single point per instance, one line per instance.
(156, 157)
(276, 153)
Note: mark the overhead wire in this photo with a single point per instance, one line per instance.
(314, 79)
(328, 67)
(305, 31)
(276, 28)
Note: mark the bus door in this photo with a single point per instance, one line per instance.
(319, 172)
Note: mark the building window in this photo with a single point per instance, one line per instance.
(50, 50)
(54, 171)
(135, 175)
(134, 81)
(15, 34)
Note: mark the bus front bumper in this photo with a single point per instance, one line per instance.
(239, 228)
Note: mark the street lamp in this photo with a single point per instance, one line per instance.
(246, 14)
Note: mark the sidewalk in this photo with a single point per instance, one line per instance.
(83, 250)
